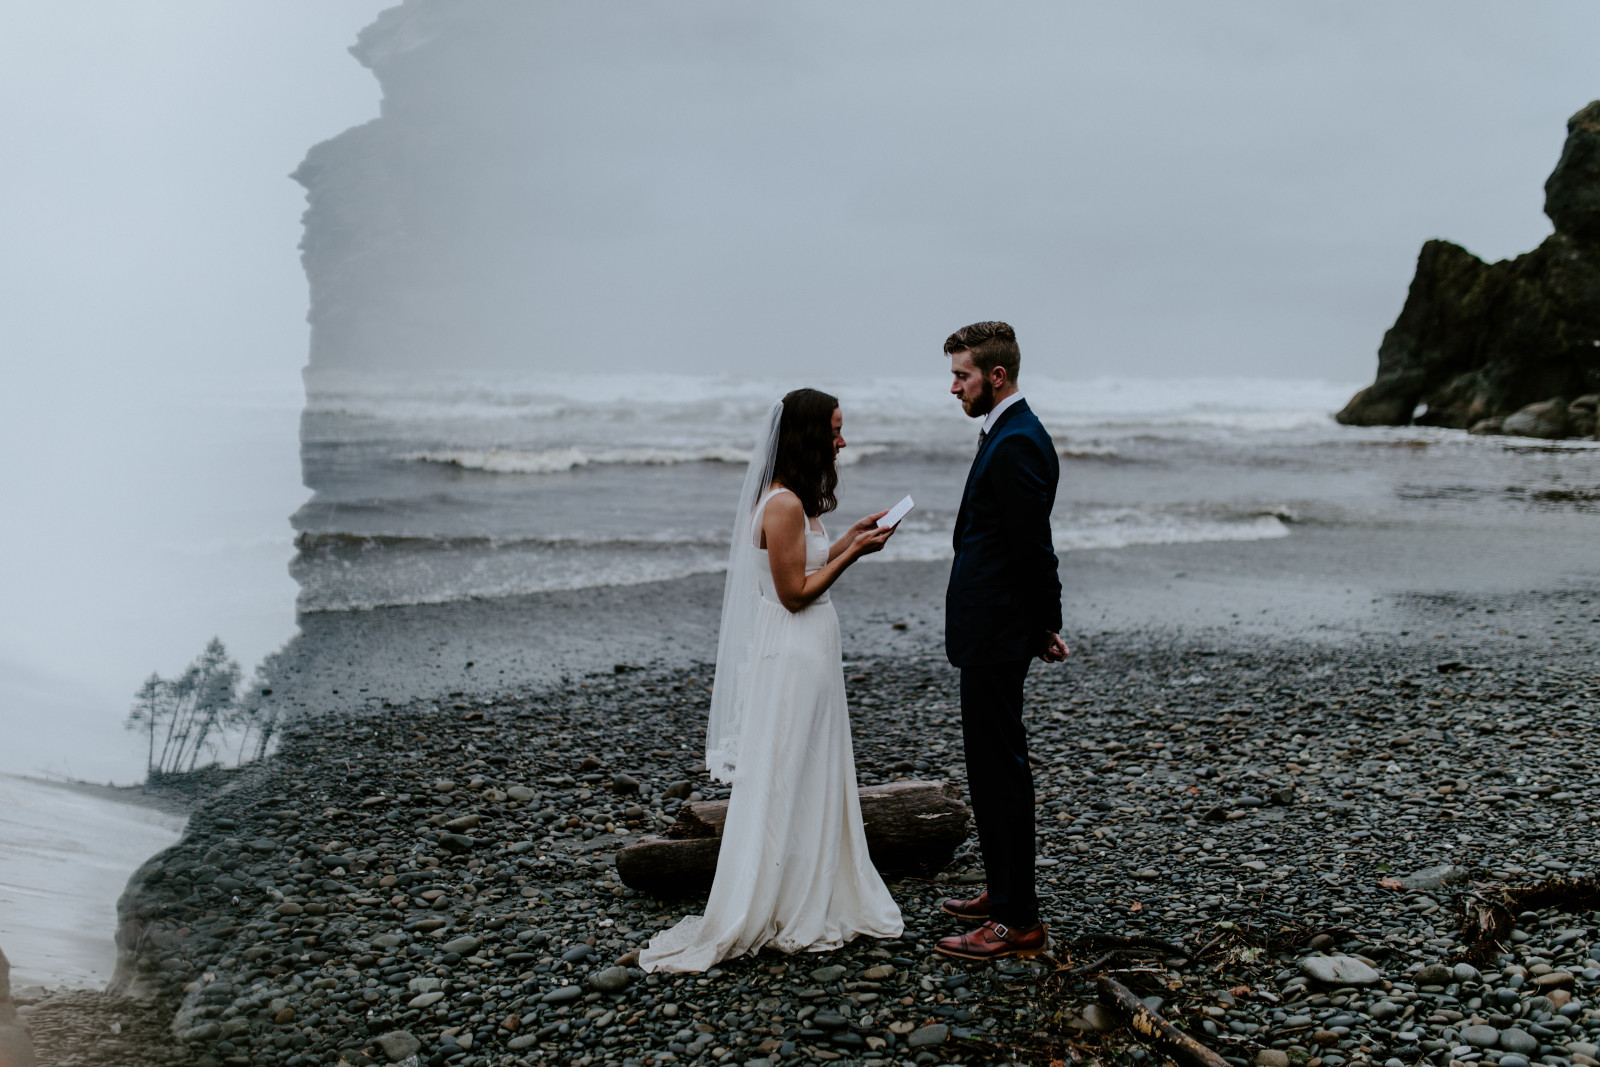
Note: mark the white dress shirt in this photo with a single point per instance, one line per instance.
(994, 413)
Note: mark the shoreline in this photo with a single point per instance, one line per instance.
(168, 801)
(66, 853)
(1325, 582)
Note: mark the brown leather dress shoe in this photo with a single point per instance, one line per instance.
(994, 941)
(975, 910)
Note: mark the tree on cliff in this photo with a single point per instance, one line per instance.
(189, 713)
(1478, 341)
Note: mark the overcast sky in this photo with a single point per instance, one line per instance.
(1142, 188)
(1203, 189)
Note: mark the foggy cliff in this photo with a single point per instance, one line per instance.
(550, 184)
(719, 186)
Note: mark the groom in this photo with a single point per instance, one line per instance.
(1002, 609)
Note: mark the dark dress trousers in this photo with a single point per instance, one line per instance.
(1003, 600)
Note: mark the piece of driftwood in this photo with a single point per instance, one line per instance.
(1153, 1028)
(1489, 913)
(911, 828)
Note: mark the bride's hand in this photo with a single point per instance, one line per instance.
(868, 524)
(870, 540)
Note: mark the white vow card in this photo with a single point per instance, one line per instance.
(896, 513)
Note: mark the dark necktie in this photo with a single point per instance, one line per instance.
(981, 435)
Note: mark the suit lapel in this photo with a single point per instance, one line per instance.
(972, 471)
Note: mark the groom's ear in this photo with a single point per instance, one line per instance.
(998, 376)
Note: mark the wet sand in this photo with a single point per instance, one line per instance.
(1327, 581)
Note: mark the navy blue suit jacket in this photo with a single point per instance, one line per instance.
(1004, 594)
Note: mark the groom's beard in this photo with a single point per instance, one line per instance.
(983, 403)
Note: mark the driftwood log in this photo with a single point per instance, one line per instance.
(1154, 1029)
(911, 827)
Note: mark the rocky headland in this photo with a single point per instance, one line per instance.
(1274, 841)
(1510, 347)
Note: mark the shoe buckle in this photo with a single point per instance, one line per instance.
(1002, 931)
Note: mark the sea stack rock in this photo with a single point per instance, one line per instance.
(1478, 342)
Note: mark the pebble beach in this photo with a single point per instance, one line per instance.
(1271, 838)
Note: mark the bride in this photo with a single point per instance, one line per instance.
(793, 871)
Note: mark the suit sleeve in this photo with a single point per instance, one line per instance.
(1025, 480)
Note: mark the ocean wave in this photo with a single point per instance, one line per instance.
(311, 542)
(1137, 528)
(560, 460)
(1071, 451)
(1105, 528)
(352, 572)
(414, 573)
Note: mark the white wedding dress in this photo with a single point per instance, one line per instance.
(793, 871)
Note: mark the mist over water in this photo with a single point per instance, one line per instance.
(166, 525)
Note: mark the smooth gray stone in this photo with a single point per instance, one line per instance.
(1338, 970)
(398, 1044)
(1099, 1017)
(464, 946)
(563, 995)
(1434, 974)
(1480, 1036)
(1518, 1040)
(923, 1036)
(610, 980)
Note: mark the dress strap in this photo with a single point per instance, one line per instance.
(761, 508)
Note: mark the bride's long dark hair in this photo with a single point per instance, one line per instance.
(805, 461)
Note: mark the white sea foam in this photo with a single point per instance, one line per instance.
(399, 578)
(1100, 528)
(413, 572)
(556, 460)
(1075, 451)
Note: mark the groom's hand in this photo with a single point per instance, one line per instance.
(1055, 649)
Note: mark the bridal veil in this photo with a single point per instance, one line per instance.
(741, 595)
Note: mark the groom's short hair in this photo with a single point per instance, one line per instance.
(992, 344)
